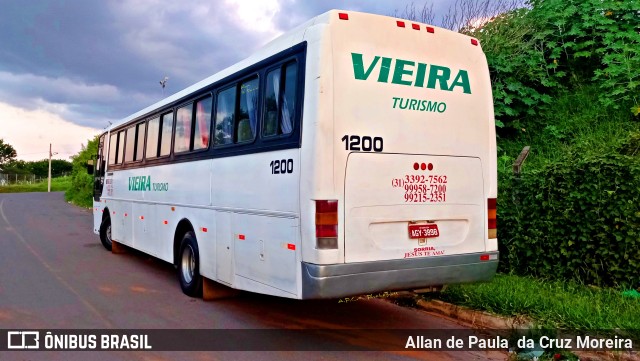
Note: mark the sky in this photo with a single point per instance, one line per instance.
(69, 68)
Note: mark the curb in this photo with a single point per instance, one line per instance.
(473, 317)
(480, 319)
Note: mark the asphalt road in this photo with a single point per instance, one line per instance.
(55, 274)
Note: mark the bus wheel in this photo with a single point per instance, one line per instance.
(105, 233)
(189, 266)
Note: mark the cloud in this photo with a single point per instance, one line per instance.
(95, 61)
(31, 131)
(82, 103)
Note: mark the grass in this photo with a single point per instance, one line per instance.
(574, 122)
(60, 184)
(551, 304)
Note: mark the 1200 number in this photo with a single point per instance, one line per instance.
(282, 166)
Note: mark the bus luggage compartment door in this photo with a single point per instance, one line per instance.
(408, 206)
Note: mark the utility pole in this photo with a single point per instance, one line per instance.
(49, 181)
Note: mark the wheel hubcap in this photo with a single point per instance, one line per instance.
(188, 264)
(108, 234)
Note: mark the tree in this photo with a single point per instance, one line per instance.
(81, 190)
(462, 15)
(7, 152)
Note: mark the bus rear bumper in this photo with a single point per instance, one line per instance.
(339, 280)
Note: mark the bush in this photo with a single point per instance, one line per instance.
(574, 219)
(558, 45)
(81, 191)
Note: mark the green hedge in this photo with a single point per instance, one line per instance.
(576, 219)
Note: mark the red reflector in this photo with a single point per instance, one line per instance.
(241, 237)
(343, 16)
(125, 214)
(326, 206)
(491, 203)
(291, 246)
(204, 229)
(416, 166)
(165, 222)
(430, 166)
(400, 24)
(326, 231)
(430, 29)
(484, 257)
(474, 42)
(415, 26)
(423, 166)
(141, 217)
(492, 224)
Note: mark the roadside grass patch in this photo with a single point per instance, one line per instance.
(551, 304)
(60, 184)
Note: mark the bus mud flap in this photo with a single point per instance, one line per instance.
(118, 248)
(212, 290)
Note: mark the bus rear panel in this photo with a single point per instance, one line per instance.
(406, 146)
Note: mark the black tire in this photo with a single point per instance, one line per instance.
(105, 233)
(189, 266)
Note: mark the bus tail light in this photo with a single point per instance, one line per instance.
(326, 224)
(492, 217)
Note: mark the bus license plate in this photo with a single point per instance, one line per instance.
(423, 230)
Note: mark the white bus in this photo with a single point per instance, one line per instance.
(353, 154)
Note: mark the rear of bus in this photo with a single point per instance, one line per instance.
(402, 183)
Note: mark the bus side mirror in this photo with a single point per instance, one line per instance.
(90, 166)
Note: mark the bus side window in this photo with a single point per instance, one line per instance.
(202, 125)
(113, 144)
(225, 116)
(165, 135)
(130, 144)
(140, 131)
(288, 109)
(183, 129)
(153, 135)
(248, 111)
(120, 147)
(271, 101)
(280, 101)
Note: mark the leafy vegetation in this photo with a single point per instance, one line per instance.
(7, 152)
(565, 78)
(81, 190)
(576, 219)
(59, 184)
(537, 53)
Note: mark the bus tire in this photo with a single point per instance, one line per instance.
(189, 266)
(105, 233)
